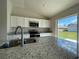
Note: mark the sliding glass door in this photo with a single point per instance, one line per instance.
(67, 34)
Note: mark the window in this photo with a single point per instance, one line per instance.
(67, 33)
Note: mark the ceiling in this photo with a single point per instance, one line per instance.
(41, 8)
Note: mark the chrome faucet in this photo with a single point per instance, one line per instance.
(22, 40)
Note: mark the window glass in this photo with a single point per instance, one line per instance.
(67, 33)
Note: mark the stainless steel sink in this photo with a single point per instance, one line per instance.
(15, 43)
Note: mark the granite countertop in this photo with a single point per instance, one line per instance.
(30, 51)
(41, 50)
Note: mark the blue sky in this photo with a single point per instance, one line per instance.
(67, 20)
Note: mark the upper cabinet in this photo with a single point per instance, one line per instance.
(44, 24)
(20, 21)
(13, 21)
(24, 22)
(17, 21)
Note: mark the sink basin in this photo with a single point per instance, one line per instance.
(27, 41)
(14, 43)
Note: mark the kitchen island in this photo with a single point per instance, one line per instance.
(39, 50)
(42, 49)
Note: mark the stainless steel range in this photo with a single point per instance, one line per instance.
(34, 33)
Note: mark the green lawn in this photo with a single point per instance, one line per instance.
(71, 35)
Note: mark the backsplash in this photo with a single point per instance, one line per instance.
(26, 30)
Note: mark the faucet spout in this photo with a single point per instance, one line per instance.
(22, 40)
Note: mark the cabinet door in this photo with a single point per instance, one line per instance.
(13, 21)
(20, 21)
(26, 22)
(17, 21)
(41, 23)
(47, 24)
(44, 24)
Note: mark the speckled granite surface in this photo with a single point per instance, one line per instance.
(40, 50)
(30, 51)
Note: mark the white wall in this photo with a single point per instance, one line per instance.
(3, 20)
(9, 10)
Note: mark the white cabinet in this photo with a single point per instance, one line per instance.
(44, 24)
(26, 22)
(17, 21)
(13, 21)
(20, 21)
(47, 23)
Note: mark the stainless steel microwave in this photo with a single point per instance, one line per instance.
(33, 24)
